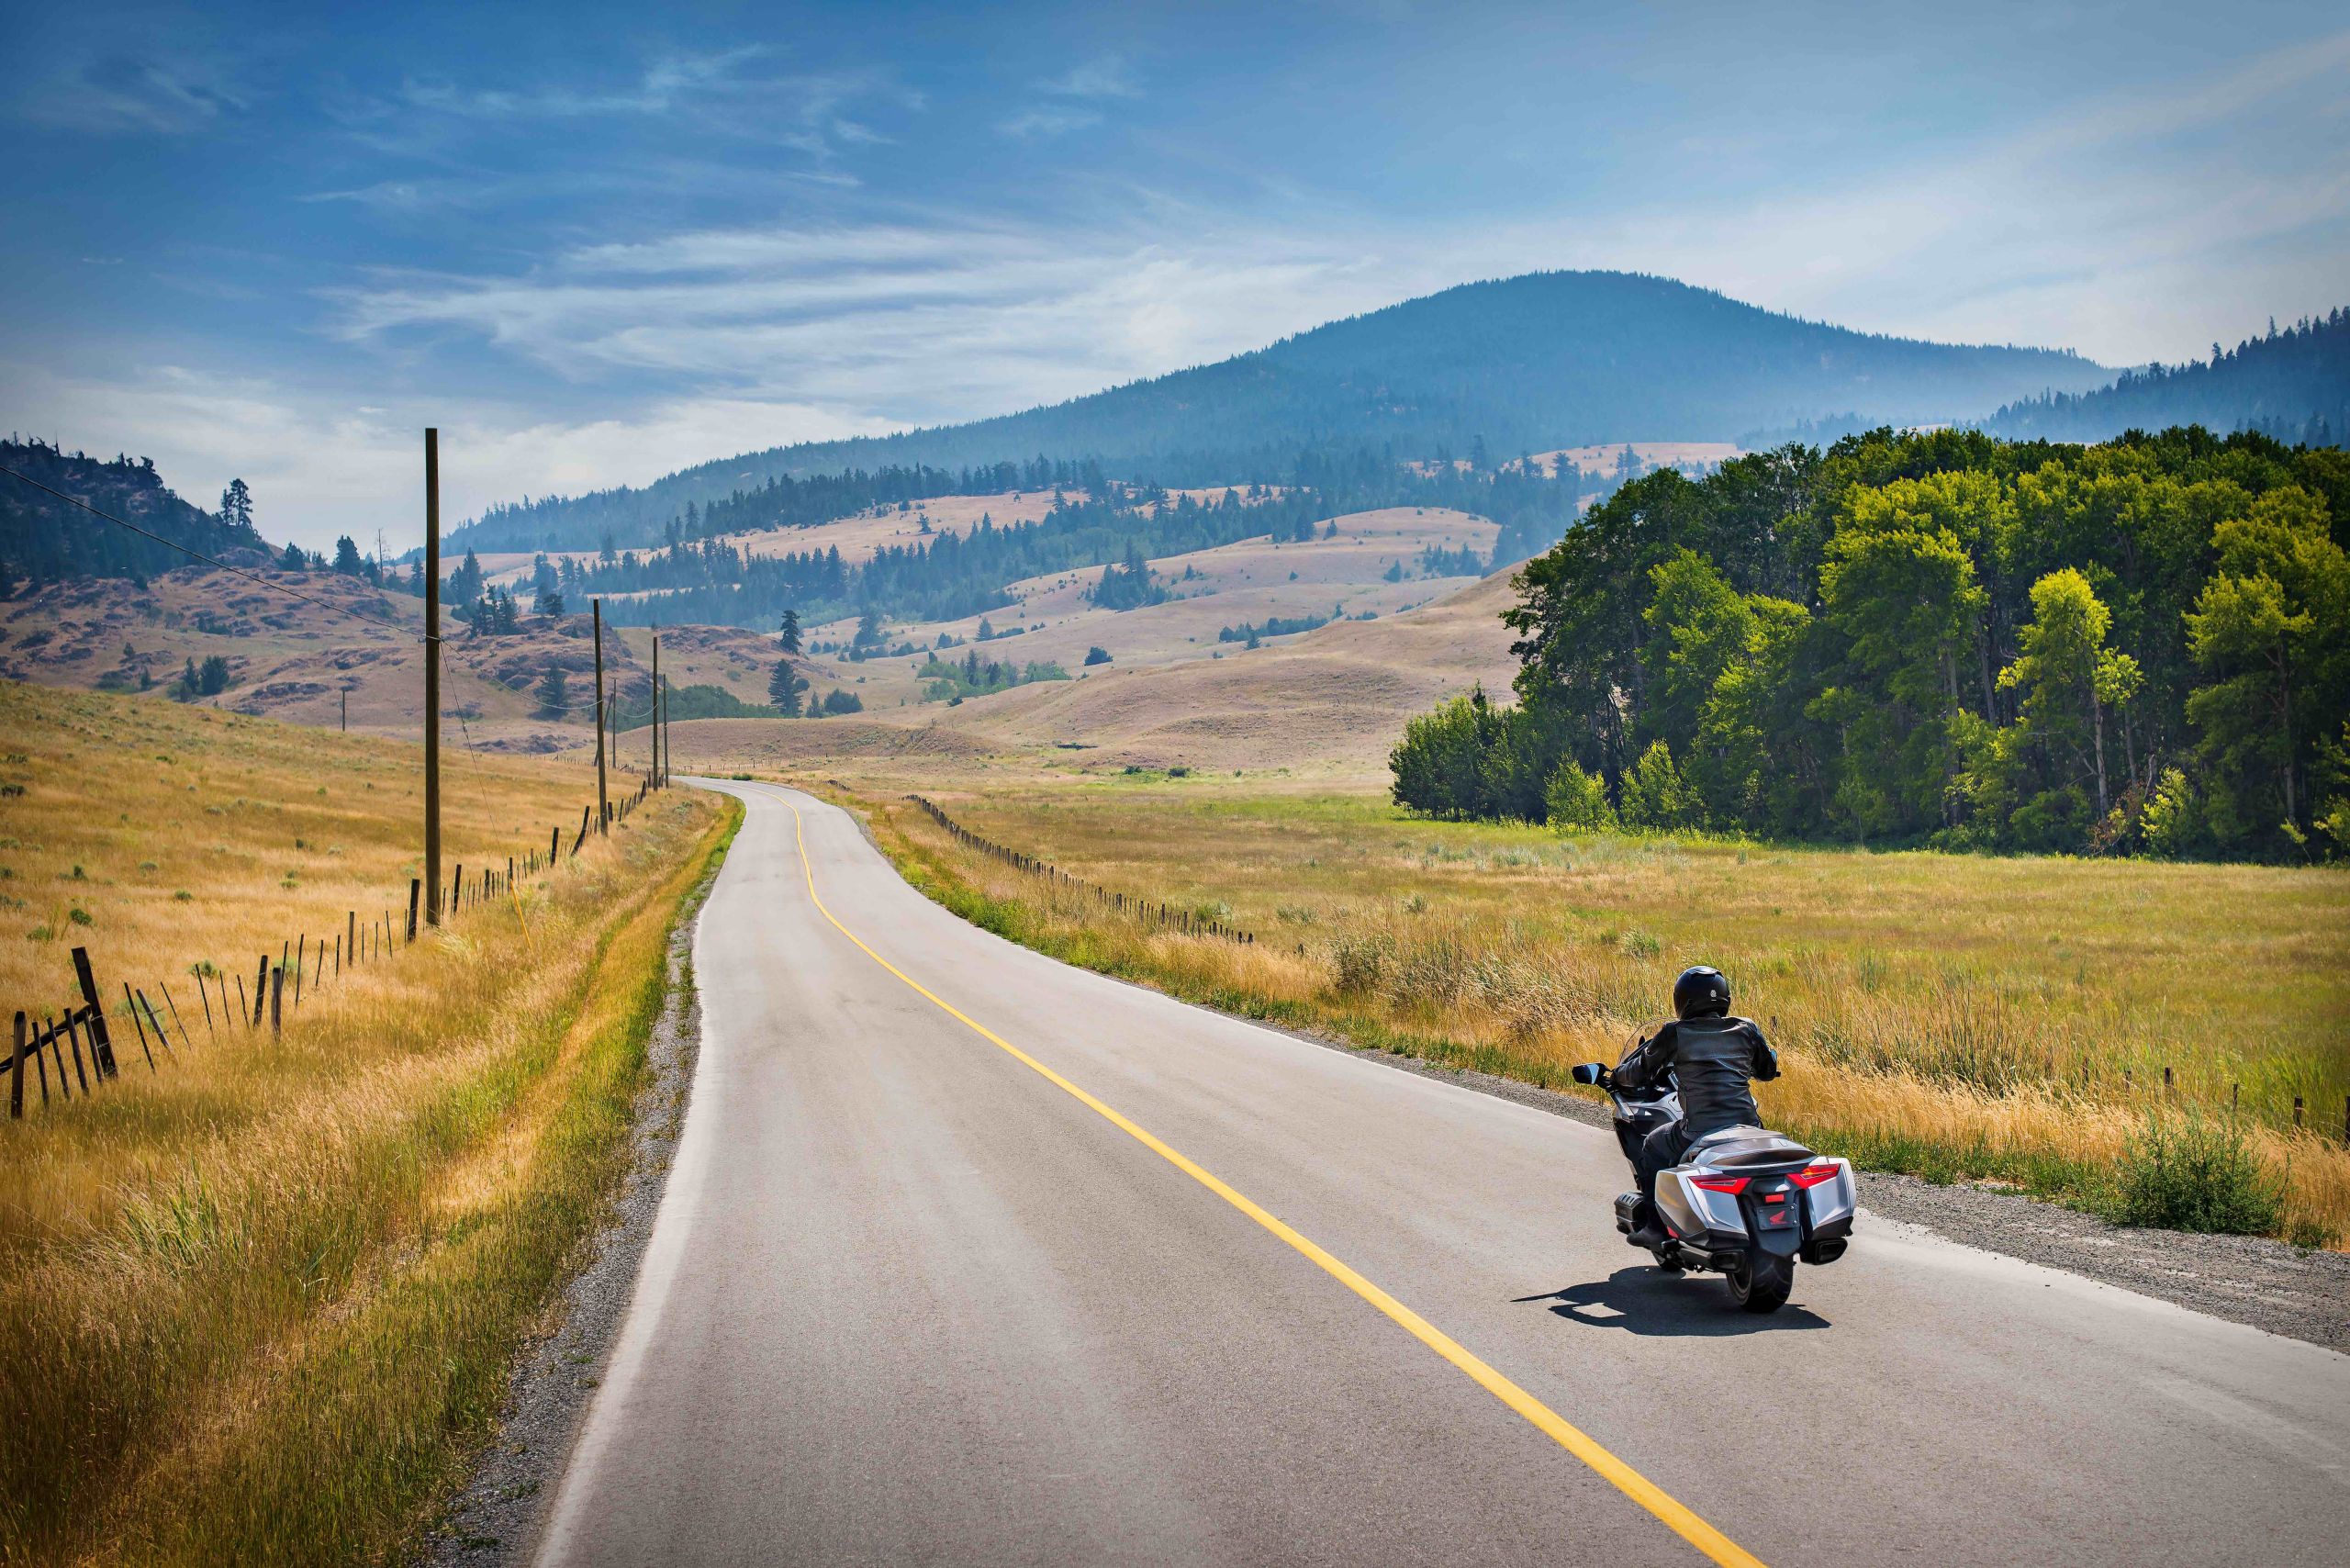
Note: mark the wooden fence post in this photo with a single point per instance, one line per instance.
(16, 1073)
(135, 1024)
(260, 988)
(205, 997)
(41, 1063)
(301, 962)
(64, 1084)
(153, 1018)
(244, 1014)
(74, 1035)
(101, 1039)
(277, 998)
(457, 888)
(165, 987)
(415, 890)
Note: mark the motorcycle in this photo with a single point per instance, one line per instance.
(1744, 1203)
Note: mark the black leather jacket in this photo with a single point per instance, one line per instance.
(1711, 1060)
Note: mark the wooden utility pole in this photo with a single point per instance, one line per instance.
(601, 807)
(659, 740)
(431, 678)
(346, 709)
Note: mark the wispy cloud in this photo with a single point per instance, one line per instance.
(1104, 77)
(1050, 120)
(1092, 82)
(123, 94)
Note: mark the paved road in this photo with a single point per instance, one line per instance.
(909, 1299)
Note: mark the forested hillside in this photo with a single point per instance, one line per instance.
(698, 576)
(2293, 385)
(1937, 638)
(1529, 363)
(43, 539)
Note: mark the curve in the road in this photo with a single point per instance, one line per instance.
(1622, 1476)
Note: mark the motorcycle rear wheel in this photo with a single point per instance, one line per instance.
(1762, 1282)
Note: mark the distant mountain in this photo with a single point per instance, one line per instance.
(2293, 385)
(45, 539)
(1535, 363)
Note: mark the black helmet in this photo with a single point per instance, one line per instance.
(1701, 992)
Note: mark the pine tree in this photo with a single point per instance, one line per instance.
(788, 637)
(554, 692)
(784, 687)
(236, 507)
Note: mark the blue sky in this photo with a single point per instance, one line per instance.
(595, 244)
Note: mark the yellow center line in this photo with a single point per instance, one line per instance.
(1631, 1482)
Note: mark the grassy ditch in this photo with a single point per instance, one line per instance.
(263, 1302)
(2086, 1031)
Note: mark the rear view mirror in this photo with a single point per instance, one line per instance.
(1588, 1072)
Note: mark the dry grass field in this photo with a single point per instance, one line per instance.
(1249, 582)
(2008, 1020)
(1325, 704)
(263, 1300)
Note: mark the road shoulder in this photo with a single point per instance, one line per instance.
(497, 1517)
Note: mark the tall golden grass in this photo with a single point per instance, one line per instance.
(1965, 1018)
(263, 1300)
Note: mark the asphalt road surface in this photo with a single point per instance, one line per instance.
(969, 1256)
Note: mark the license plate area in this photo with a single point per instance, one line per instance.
(1775, 1203)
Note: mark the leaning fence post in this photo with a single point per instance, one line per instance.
(64, 1084)
(16, 1073)
(133, 1008)
(166, 1038)
(73, 1033)
(277, 998)
(301, 961)
(205, 997)
(101, 1039)
(244, 1014)
(260, 988)
(165, 987)
(457, 888)
(415, 892)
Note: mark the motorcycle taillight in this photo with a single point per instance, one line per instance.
(1719, 1183)
(1813, 1175)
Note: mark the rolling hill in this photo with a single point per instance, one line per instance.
(1539, 361)
(43, 539)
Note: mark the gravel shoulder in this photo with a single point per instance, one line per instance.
(2245, 1279)
(495, 1520)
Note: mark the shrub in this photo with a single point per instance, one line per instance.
(1362, 961)
(1655, 795)
(1577, 800)
(1096, 656)
(2191, 1172)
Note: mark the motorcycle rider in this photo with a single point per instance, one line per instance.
(1712, 1058)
